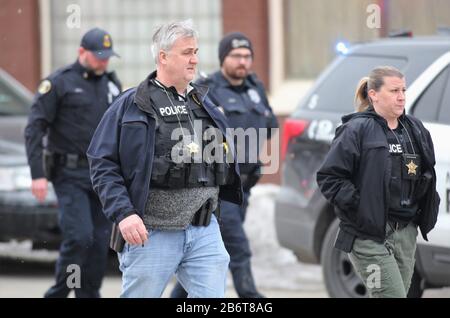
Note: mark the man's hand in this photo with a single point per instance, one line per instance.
(39, 188)
(133, 230)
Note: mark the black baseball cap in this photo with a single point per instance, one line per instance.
(99, 42)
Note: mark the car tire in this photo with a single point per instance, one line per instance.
(417, 286)
(340, 278)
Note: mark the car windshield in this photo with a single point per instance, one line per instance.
(11, 103)
(336, 91)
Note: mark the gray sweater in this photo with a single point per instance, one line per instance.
(173, 209)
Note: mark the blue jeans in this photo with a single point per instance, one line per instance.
(196, 255)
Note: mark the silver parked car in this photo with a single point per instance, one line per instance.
(21, 216)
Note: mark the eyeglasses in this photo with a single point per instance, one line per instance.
(238, 57)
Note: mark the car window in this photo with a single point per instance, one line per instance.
(427, 105)
(336, 93)
(444, 110)
(10, 103)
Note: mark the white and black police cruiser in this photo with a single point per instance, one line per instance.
(305, 222)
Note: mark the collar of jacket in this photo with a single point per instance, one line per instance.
(142, 96)
(370, 113)
(223, 82)
(85, 72)
(381, 119)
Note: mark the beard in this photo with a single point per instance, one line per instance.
(99, 72)
(96, 71)
(238, 73)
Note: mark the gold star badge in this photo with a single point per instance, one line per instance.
(411, 167)
(192, 148)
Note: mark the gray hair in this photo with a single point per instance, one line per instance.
(374, 81)
(166, 35)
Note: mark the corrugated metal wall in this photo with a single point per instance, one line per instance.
(131, 24)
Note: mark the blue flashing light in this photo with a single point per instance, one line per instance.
(342, 48)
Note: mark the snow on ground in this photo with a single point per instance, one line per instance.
(273, 265)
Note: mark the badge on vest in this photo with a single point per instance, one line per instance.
(411, 166)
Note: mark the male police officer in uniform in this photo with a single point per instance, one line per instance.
(162, 201)
(66, 110)
(243, 99)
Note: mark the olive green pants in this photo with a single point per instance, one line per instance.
(386, 269)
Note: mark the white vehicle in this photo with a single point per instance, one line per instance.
(305, 221)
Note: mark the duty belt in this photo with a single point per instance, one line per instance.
(71, 161)
(397, 226)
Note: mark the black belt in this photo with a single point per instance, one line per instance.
(397, 226)
(71, 161)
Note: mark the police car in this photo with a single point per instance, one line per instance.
(304, 220)
(21, 216)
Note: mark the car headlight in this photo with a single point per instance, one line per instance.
(15, 178)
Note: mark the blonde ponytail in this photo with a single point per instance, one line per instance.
(361, 98)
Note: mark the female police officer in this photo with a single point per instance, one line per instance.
(379, 175)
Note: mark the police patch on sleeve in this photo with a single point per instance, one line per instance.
(44, 87)
(254, 96)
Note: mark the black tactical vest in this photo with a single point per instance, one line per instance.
(403, 204)
(176, 145)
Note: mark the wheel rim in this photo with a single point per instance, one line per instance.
(347, 276)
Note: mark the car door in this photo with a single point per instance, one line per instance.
(432, 106)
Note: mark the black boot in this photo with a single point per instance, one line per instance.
(244, 282)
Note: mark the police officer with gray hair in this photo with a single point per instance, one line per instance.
(158, 181)
(66, 109)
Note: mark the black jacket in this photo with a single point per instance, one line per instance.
(67, 108)
(122, 150)
(356, 172)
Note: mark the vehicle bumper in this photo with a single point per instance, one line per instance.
(22, 217)
(296, 224)
(433, 264)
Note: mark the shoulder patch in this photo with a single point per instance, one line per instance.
(254, 96)
(44, 87)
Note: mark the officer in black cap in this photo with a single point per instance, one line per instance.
(66, 110)
(242, 98)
